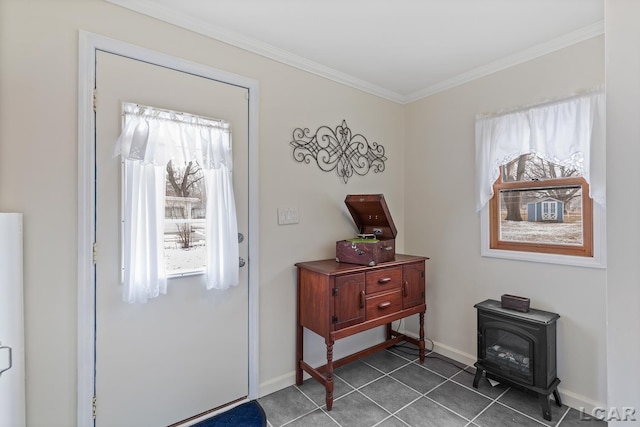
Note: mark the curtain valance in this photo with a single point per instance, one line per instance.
(568, 132)
(180, 137)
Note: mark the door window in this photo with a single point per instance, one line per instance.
(179, 211)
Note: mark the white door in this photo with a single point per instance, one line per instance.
(186, 352)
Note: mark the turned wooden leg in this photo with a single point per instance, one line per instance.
(421, 340)
(329, 385)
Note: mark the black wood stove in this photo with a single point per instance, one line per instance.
(518, 348)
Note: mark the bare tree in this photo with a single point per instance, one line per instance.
(512, 199)
(181, 182)
(530, 167)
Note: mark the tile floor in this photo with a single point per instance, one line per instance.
(391, 388)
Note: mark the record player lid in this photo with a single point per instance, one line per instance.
(371, 215)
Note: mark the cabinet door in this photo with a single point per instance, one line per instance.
(349, 300)
(413, 280)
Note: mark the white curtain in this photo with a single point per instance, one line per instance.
(150, 138)
(568, 132)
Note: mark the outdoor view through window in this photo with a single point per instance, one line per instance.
(541, 207)
(185, 214)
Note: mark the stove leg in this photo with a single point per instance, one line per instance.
(476, 379)
(556, 395)
(546, 406)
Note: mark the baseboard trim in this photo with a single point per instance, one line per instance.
(454, 353)
(568, 397)
(278, 383)
(579, 402)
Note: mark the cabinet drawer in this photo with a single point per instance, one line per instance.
(384, 280)
(384, 304)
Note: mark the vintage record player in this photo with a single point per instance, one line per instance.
(375, 242)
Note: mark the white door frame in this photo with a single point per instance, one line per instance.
(89, 43)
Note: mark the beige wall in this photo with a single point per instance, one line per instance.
(432, 208)
(440, 212)
(623, 198)
(38, 176)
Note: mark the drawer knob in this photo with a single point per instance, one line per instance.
(384, 280)
(384, 305)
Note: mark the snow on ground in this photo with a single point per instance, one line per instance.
(566, 233)
(184, 259)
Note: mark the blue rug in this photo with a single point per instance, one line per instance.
(248, 414)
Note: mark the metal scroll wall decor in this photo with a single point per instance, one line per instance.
(338, 149)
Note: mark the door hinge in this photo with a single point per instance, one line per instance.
(95, 253)
(95, 100)
(94, 406)
(334, 292)
(334, 319)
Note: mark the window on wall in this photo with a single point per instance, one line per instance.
(184, 218)
(540, 182)
(179, 214)
(539, 206)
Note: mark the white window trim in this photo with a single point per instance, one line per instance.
(598, 260)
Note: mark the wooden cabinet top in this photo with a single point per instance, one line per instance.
(332, 267)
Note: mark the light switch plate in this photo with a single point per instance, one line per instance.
(287, 216)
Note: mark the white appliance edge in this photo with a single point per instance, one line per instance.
(12, 380)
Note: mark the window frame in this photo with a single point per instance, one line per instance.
(598, 260)
(584, 250)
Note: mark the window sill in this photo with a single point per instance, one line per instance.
(599, 245)
(185, 273)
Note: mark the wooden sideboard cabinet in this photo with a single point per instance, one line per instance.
(336, 300)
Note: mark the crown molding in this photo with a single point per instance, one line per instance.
(149, 8)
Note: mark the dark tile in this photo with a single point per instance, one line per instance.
(357, 373)
(405, 350)
(385, 361)
(466, 378)
(498, 415)
(529, 404)
(426, 413)
(285, 405)
(316, 391)
(317, 418)
(355, 410)
(389, 393)
(418, 378)
(459, 399)
(576, 418)
(443, 365)
(392, 422)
